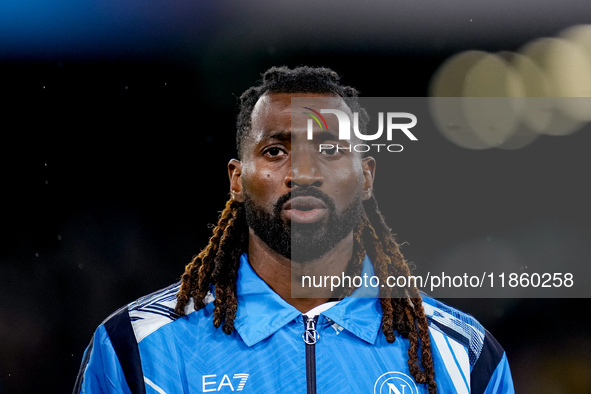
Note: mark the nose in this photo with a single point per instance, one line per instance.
(305, 170)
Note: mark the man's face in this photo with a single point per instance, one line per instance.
(299, 201)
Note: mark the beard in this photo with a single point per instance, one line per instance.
(302, 242)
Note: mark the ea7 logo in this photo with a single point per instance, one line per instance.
(395, 383)
(237, 382)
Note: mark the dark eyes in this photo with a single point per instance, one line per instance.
(275, 152)
(329, 151)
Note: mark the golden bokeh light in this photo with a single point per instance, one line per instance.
(481, 100)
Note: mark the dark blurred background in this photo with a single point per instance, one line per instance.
(117, 123)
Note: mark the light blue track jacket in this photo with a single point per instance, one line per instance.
(145, 347)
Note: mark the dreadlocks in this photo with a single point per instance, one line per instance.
(216, 267)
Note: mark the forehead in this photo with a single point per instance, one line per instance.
(274, 110)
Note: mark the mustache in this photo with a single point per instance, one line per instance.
(304, 192)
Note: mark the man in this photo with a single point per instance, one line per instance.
(293, 209)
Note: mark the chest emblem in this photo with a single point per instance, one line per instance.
(395, 383)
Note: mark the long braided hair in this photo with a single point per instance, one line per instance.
(217, 265)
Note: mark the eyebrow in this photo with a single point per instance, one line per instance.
(284, 135)
(325, 135)
(280, 135)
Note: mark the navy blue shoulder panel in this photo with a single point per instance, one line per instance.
(489, 359)
(83, 365)
(122, 337)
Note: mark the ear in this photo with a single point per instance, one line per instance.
(235, 175)
(369, 170)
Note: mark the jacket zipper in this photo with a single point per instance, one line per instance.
(310, 337)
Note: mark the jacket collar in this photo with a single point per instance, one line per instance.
(261, 312)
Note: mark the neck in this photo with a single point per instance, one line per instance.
(285, 276)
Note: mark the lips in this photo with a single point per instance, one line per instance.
(304, 209)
